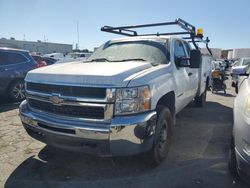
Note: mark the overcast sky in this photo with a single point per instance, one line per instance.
(225, 22)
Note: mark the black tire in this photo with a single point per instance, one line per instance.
(236, 88)
(232, 163)
(16, 90)
(162, 137)
(207, 84)
(200, 101)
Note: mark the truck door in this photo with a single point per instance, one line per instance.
(182, 77)
(192, 73)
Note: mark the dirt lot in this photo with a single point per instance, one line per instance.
(198, 155)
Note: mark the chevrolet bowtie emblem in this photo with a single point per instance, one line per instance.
(55, 99)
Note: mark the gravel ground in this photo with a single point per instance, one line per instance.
(197, 158)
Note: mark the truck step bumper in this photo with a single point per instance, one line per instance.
(127, 135)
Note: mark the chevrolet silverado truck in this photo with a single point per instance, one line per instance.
(123, 100)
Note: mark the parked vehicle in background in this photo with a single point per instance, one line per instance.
(14, 65)
(49, 60)
(123, 100)
(75, 56)
(234, 62)
(218, 65)
(39, 60)
(239, 158)
(43, 61)
(242, 62)
(223, 64)
(57, 56)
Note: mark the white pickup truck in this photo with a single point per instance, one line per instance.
(122, 101)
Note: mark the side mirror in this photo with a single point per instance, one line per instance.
(240, 71)
(182, 61)
(195, 59)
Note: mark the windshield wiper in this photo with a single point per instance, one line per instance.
(140, 59)
(123, 60)
(99, 60)
(135, 59)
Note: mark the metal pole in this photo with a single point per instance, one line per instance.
(77, 46)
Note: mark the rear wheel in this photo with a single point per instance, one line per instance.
(16, 90)
(162, 137)
(236, 88)
(200, 101)
(207, 84)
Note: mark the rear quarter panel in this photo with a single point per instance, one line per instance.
(205, 72)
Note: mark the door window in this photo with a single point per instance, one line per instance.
(179, 51)
(7, 58)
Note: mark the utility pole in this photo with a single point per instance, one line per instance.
(77, 28)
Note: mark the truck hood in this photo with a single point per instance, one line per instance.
(102, 74)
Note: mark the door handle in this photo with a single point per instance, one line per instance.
(190, 74)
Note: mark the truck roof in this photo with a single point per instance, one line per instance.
(140, 38)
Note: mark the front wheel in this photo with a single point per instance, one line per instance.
(200, 101)
(16, 90)
(162, 137)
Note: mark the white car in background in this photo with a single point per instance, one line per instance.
(57, 56)
(75, 56)
(242, 62)
(239, 159)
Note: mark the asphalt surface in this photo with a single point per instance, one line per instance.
(197, 158)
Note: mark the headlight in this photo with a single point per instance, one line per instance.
(132, 100)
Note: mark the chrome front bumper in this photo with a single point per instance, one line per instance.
(123, 135)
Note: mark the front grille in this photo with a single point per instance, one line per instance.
(67, 110)
(75, 91)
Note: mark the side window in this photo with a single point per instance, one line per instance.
(4, 59)
(7, 58)
(187, 48)
(179, 51)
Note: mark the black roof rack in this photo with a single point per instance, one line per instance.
(189, 30)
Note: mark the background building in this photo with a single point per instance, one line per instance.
(225, 54)
(240, 52)
(39, 46)
(215, 51)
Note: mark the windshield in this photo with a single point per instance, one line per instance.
(246, 62)
(150, 51)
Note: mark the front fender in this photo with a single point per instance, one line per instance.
(160, 80)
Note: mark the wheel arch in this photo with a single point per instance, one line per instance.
(168, 100)
(11, 82)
